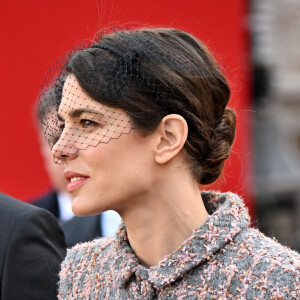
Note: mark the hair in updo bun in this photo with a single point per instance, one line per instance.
(153, 72)
(218, 149)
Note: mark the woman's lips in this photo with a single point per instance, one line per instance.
(76, 183)
(75, 180)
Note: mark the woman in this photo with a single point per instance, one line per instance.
(142, 122)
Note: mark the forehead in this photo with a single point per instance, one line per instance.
(76, 103)
(73, 96)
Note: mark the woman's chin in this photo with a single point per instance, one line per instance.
(82, 207)
(79, 208)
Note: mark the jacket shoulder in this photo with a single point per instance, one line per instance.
(96, 247)
(273, 270)
(15, 213)
(11, 206)
(32, 248)
(81, 262)
(264, 247)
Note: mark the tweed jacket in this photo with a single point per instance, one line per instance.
(222, 259)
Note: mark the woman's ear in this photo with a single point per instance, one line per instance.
(171, 136)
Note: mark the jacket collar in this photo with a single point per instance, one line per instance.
(230, 216)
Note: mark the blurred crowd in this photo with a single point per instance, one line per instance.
(275, 27)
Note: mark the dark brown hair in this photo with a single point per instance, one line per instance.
(150, 73)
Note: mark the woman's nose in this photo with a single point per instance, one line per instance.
(65, 147)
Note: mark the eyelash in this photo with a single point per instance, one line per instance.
(84, 125)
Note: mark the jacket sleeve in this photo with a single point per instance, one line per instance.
(35, 250)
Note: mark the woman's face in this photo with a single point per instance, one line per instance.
(107, 163)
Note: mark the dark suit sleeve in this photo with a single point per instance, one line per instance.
(34, 253)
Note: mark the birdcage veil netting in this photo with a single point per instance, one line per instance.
(85, 109)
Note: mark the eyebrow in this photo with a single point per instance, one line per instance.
(76, 113)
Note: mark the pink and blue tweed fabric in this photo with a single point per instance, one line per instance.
(222, 259)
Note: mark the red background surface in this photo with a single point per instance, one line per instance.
(35, 32)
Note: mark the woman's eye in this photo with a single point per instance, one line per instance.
(87, 123)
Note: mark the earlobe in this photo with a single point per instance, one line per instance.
(172, 133)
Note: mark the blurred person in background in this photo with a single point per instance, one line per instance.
(32, 247)
(59, 202)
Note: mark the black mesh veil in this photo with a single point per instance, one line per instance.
(90, 95)
(70, 118)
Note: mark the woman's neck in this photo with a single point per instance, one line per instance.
(164, 219)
